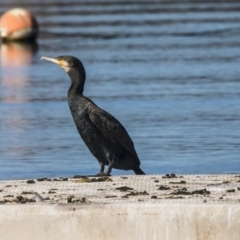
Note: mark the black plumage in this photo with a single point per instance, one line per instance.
(103, 134)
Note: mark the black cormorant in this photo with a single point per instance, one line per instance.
(103, 134)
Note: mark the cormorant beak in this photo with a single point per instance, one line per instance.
(63, 64)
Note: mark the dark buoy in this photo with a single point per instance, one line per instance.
(103, 134)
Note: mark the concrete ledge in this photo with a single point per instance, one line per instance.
(142, 221)
(179, 211)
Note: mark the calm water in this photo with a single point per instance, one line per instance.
(169, 71)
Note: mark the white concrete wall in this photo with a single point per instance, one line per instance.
(133, 221)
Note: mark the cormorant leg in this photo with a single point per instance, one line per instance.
(109, 169)
(101, 172)
(102, 166)
(110, 166)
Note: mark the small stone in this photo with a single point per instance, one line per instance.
(51, 192)
(201, 191)
(181, 182)
(72, 199)
(136, 194)
(30, 181)
(69, 198)
(226, 182)
(124, 188)
(20, 199)
(63, 179)
(153, 197)
(79, 176)
(173, 197)
(172, 175)
(162, 187)
(181, 192)
(184, 191)
(231, 190)
(26, 192)
(43, 179)
(110, 196)
(84, 179)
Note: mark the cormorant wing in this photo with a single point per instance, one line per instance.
(113, 130)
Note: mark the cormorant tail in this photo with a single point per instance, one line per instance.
(138, 171)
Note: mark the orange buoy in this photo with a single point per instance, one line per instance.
(18, 24)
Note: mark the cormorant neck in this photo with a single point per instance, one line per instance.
(77, 77)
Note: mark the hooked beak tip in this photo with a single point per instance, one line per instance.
(44, 58)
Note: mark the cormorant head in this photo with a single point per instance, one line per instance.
(68, 63)
(73, 67)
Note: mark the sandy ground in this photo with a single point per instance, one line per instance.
(151, 188)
